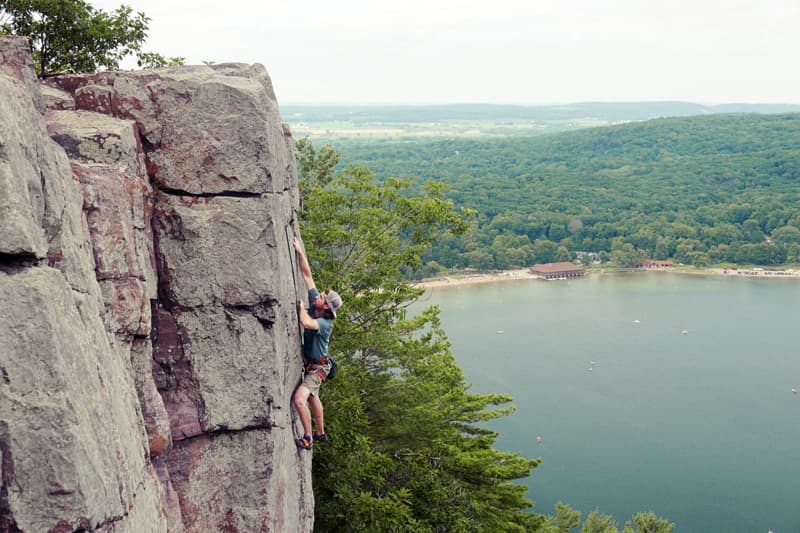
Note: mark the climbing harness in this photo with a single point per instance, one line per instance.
(318, 369)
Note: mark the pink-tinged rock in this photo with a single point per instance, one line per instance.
(16, 61)
(98, 98)
(127, 306)
(108, 202)
(231, 482)
(108, 162)
(174, 377)
(172, 503)
(156, 419)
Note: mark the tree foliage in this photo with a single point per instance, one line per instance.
(721, 188)
(316, 168)
(408, 450)
(69, 36)
(156, 60)
(567, 519)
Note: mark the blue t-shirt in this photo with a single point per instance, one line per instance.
(315, 343)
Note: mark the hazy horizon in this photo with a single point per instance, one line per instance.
(530, 104)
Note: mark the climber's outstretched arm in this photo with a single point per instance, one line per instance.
(305, 268)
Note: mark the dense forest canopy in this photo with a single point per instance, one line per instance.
(698, 190)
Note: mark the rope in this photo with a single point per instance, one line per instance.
(294, 281)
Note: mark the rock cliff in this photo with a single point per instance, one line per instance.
(148, 337)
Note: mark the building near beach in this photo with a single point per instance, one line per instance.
(649, 263)
(557, 270)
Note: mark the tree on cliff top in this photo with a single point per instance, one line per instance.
(69, 36)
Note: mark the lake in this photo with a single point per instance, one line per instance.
(650, 391)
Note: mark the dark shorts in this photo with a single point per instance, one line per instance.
(312, 380)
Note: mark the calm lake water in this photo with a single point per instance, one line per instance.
(650, 391)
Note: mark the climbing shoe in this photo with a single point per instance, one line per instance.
(305, 443)
(321, 438)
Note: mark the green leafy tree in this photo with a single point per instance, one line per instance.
(408, 452)
(567, 519)
(512, 250)
(723, 233)
(597, 522)
(69, 36)
(545, 251)
(698, 259)
(156, 60)
(480, 259)
(662, 249)
(650, 523)
(793, 252)
(557, 231)
(751, 230)
(316, 168)
(644, 239)
(562, 254)
(624, 254)
(719, 253)
(786, 235)
(430, 269)
(684, 250)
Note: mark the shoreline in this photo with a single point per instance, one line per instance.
(469, 278)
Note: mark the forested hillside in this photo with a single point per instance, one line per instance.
(699, 190)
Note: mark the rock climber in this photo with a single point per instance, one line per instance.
(317, 321)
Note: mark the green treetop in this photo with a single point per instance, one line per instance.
(70, 36)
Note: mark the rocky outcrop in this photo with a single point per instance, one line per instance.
(148, 332)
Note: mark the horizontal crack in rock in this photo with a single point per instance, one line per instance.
(11, 263)
(226, 194)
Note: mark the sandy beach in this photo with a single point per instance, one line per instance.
(469, 278)
(473, 278)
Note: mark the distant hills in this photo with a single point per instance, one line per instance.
(603, 111)
(703, 189)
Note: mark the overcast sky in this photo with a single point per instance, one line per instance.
(495, 51)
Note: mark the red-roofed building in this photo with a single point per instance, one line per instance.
(557, 270)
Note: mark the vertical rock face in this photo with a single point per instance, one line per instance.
(148, 332)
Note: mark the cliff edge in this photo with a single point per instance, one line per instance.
(148, 337)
